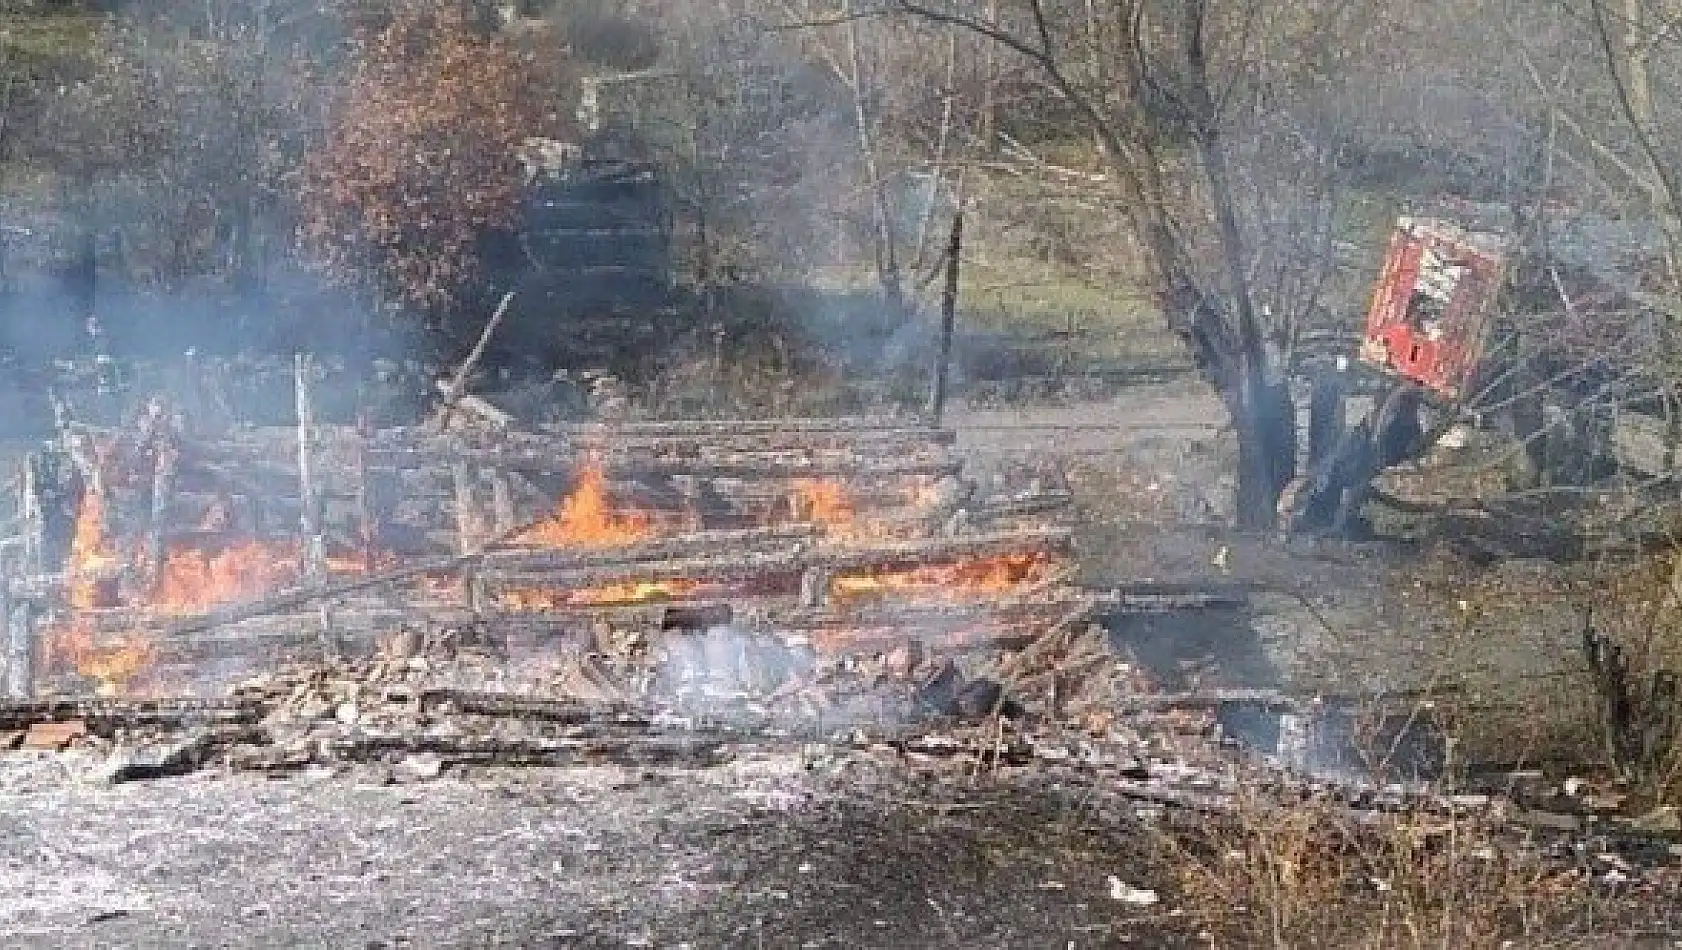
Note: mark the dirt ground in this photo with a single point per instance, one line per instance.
(781, 850)
(1493, 646)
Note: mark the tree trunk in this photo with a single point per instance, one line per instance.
(1326, 418)
(1264, 416)
(887, 255)
(1338, 485)
(84, 269)
(1264, 420)
(989, 82)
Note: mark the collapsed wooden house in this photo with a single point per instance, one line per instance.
(150, 561)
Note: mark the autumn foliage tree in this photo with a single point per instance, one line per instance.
(417, 166)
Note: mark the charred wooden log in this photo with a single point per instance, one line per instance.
(696, 618)
(106, 715)
(512, 706)
(644, 750)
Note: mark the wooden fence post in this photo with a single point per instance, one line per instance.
(313, 545)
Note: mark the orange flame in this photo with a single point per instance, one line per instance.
(91, 586)
(979, 577)
(91, 557)
(825, 502)
(190, 580)
(533, 599)
(587, 517)
(358, 562)
(194, 581)
(115, 664)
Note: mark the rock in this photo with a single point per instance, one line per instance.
(418, 767)
(156, 760)
(372, 775)
(1663, 820)
(1140, 896)
(939, 691)
(904, 659)
(980, 698)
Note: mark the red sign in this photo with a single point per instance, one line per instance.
(1430, 308)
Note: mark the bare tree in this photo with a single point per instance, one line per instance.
(1158, 85)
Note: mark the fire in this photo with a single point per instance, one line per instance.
(113, 664)
(444, 586)
(587, 517)
(825, 502)
(611, 595)
(91, 556)
(927, 493)
(991, 575)
(194, 581)
(91, 580)
(359, 563)
(116, 664)
(190, 580)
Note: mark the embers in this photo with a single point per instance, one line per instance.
(978, 577)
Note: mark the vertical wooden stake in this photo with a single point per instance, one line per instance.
(163, 488)
(502, 503)
(468, 525)
(814, 588)
(9, 583)
(309, 496)
(32, 511)
(20, 647)
(467, 517)
(309, 519)
(367, 529)
(948, 319)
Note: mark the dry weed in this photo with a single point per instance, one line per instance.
(1316, 874)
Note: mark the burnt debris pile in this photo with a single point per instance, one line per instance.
(155, 558)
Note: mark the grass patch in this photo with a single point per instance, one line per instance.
(45, 45)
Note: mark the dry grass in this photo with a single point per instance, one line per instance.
(1317, 875)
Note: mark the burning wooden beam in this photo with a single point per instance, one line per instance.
(654, 549)
(789, 561)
